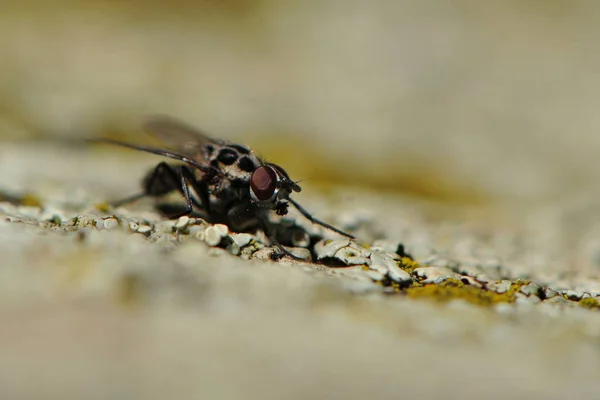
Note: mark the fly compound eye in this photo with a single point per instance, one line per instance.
(263, 184)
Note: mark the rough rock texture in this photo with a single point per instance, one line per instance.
(104, 303)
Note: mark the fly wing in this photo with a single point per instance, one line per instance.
(179, 136)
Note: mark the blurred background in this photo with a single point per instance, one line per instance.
(485, 105)
(463, 100)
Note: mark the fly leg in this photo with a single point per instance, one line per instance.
(164, 179)
(265, 228)
(317, 221)
(201, 188)
(127, 200)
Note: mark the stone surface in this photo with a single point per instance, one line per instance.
(159, 311)
(213, 235)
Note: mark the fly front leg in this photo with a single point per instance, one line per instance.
(317, 221)
(264, 225)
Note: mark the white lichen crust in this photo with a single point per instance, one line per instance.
(379, 264)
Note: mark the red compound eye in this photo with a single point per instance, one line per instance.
(264, 183)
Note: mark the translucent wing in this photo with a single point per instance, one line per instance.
(178, 135)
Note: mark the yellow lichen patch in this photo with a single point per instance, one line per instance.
(454, 289)
(408, 264)
(516, 286)
(30, 200)
(102, 207)
(27, 199)
(74, 268)
(128, 292)
(590, 303)
(77, 265)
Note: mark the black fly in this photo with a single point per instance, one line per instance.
(224, 181)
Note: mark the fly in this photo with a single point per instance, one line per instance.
(226, 182)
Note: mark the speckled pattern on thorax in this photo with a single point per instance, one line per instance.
(237, 163)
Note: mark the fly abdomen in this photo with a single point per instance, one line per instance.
(162, 181)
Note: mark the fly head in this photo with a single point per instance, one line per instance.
(270, 187)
